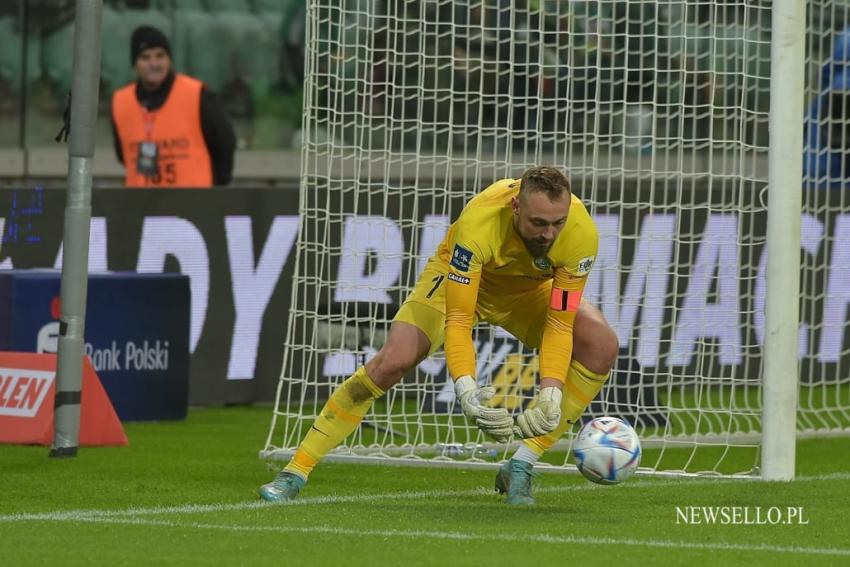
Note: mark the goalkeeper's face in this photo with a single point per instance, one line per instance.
(539, 220)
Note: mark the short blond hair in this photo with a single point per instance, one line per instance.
(545, 179)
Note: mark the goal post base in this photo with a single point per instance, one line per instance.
(478, 464)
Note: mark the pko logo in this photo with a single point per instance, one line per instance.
(47, 340)
(139, 356)
(23, 391)
(130, 355)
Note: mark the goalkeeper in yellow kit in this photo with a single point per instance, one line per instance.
(517, 257)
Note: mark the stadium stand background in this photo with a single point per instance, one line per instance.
(251, 53)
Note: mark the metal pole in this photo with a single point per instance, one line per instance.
(25, 60)
(84, 98)
(782, 313)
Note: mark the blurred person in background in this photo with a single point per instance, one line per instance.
(170, 130)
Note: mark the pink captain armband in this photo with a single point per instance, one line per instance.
(563, 300)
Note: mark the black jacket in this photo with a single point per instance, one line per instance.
(217, 130)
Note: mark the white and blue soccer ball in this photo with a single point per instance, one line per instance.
(607, 450)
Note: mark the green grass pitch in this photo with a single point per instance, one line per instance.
(184, 493)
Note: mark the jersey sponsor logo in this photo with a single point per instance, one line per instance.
(563, 300)
(584, 265)
(461, 257)
(459, 279)
(542, 263)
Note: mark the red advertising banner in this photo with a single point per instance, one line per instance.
(27, 389)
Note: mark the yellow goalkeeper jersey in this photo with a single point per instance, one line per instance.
(492, 276)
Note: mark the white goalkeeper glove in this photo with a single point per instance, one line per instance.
(543, 418)
(495, 422)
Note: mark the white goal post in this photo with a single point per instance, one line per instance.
(679, 124)
(785, 174)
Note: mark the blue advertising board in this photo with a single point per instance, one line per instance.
(136, 334)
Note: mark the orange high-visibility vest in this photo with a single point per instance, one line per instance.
(183, 160)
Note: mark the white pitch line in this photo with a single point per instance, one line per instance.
(80, 515)
(503, 538)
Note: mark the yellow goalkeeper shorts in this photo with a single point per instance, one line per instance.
(425, 308)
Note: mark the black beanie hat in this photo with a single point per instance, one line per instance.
(146, 37)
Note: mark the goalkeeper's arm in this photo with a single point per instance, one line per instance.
(461, 297)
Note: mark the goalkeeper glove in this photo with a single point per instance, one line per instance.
(495, 422)
(543, 418)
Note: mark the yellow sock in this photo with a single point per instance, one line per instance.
(338, 419)
(580, 388)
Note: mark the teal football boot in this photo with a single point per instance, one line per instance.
(514, 477)
(282, 489)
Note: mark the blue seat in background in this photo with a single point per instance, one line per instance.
(826, 143)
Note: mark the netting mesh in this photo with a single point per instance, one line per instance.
(658, 112)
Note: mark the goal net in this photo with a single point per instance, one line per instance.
(658, 112)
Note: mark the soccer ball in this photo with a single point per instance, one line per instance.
(607, 450)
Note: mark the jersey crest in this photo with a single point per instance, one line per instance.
(584, 265)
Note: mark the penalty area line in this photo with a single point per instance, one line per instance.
(466, 536)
